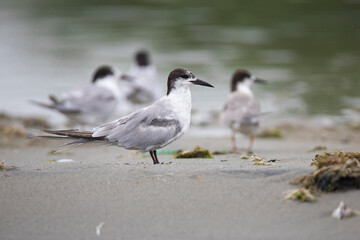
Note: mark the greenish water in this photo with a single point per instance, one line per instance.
(308, 50)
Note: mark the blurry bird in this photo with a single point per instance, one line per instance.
(93, 104)
(143, 84)
(241, 112)
(150, 128)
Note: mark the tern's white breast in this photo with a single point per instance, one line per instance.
(110, 84)
(180, 102)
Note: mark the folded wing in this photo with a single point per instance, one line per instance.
(241, 110)
(146, 129)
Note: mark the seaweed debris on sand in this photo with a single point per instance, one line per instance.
(16, 127)
(318, 148)
(271, 133)
(4, 168)
(335, 171)
(26, 122)
(13, 131)
(224, 152)
(197, 152)
(301, 194)
(334, 158)
(259, 160)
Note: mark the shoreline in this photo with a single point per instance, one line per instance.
(223, 197)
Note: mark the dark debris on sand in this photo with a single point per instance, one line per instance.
(335, 171)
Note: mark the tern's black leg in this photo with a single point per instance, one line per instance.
(154, 157)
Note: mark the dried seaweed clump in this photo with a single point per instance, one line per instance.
(4, 168)
(13, 131)
(354, 125)
(35, 122)
(335, 158)
(301, 194)
(336, 177)
(259, 160)
(271, 133)
(335, 171)
(318, 148)
(197, 152)
(26, 122)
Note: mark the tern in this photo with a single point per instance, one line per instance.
(241, 112)
(92, 104)
(152, 127)
(143, 85)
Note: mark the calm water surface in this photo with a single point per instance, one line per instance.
(308, 50)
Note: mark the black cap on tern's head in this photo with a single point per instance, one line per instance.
(102, 72)
(241, 75)
(184, 76)
(142, 58)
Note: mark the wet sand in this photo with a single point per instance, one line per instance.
(221, 198)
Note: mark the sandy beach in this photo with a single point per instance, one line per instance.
(111, 193)
(307, 51)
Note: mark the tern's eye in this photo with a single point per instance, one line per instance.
(184, 76)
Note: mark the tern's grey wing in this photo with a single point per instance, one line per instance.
(92, 99)
(241, 109)
(146, 129)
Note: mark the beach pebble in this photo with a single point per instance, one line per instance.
(64, 160)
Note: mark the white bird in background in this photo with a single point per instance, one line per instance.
(143, 84)
(93, 104)
(152, 127)
(241, 112)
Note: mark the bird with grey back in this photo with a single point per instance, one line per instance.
(152, 127)
(92, 104)
(241, 111)
(143, 85)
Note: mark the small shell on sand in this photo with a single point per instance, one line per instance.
(64, 160)
(343, 211)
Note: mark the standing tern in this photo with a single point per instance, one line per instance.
(241, 112)
(92, 104)
(143, 86)
(152, 127)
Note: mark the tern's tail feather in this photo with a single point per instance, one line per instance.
(41, 104)
(74, 133)
(80, 137)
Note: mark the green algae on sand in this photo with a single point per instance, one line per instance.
(197, 152)
(301, 194)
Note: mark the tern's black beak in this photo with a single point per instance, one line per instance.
(202, 83)
(261, 81)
